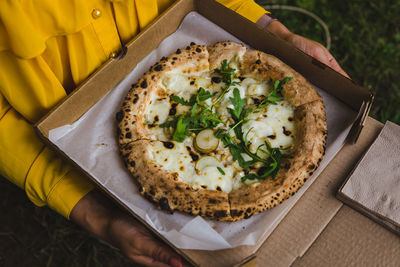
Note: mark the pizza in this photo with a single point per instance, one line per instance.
(221, 131)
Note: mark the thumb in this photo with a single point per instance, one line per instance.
(156, 254)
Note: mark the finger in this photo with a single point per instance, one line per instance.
(335, 65)
(159, 252)
(148, 261)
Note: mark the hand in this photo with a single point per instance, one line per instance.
(97, 215)
(308, 46)
(315, 50)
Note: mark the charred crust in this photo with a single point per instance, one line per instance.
(178, 51)
(212, 201)
(119, 116)
(216, 79)
(247, 215)
(164, 204)
(198, 50)
(128, 135)
(143, 84)
(220, 214)
(132, 163)
(158, 67)
(236, 213)
(135, 99)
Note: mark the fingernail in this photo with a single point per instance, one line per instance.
(175, 262)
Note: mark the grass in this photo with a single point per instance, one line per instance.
(366, 42)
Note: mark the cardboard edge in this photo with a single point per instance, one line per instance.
(385, 222)
(359, 124)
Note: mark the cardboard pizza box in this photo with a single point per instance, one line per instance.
(114, 70)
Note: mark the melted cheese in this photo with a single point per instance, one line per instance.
(178, 159)
(274, 123)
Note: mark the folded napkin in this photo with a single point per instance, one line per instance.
(374, 186)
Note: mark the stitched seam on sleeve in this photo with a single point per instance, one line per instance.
(33, 162)
(5, 113)
(48, 196)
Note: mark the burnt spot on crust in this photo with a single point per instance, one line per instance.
(247, 215)
(256, 100)
(128, 135)
(218, 188)
(164, 204)
(119, 116)
(174, 58)
(192, 43)
(262, 170)
(132, 163)
(136, 98)
(143, 84)
(172, 110)
(212, 201)
(192, 154)
(272, 136)
(311, 166)
(168, 144)
(290, 119)
(191, 82)
(198, 50)
(220, 214)
(258, 61)
(158, 67)
(216, 79)
(236, 213)
(152, 191)
(178, 51)
(286, 132)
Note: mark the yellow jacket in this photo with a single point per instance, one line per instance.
(47, 48)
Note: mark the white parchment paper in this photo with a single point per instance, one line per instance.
(91, 142)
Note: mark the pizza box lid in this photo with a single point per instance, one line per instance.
(115, 69)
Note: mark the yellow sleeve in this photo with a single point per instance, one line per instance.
(247, 8)
(26, 162)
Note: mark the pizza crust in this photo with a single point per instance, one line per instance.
(165, 189)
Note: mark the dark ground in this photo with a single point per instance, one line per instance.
(365, 41)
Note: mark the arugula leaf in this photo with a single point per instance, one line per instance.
(180, 100)
(271, 166)
(221, 170)
(203, 95)
(275, 95)
(238, 104)
(227, 72)
(181, 130)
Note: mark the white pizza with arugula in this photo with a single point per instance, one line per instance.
(221, 131)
